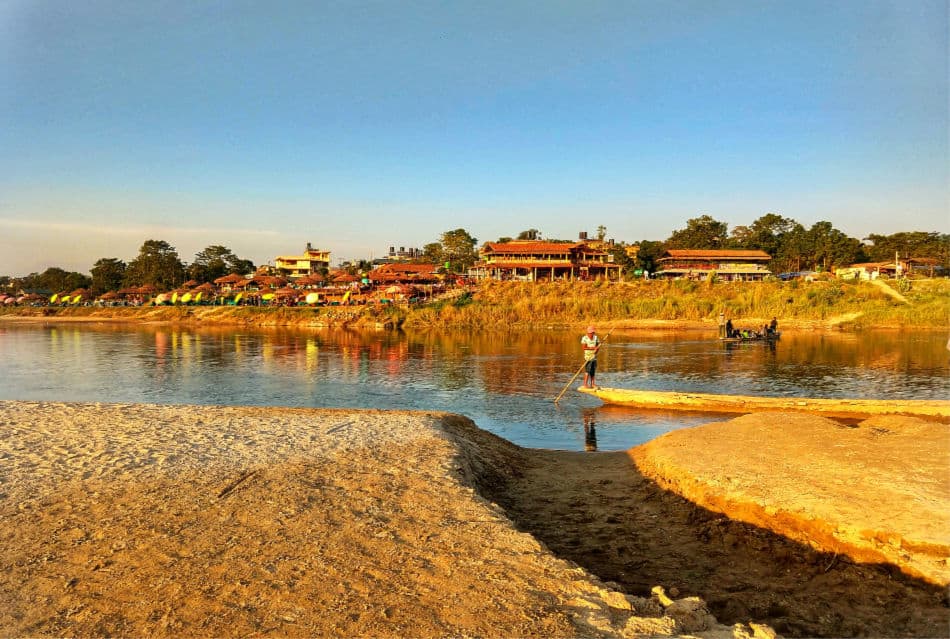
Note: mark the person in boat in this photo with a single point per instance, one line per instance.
(773, 326)
(729, 329)
(591, 343)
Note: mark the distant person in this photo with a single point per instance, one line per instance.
(722, 325)
(591, 344)
(730, 331)
(773, 326)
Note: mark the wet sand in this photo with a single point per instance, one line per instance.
(144, 520)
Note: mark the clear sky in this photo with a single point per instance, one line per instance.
(361, 125)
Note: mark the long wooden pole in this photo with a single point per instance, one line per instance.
(561, 394)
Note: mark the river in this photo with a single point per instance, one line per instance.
(505, 382)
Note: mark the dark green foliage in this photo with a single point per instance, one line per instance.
(107, 275)
(158, 265)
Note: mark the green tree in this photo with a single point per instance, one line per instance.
(648, 254)
(217, 261)
(55, 280)
(504, 240)
(910, 244)
(700, 233)
(107, 275)
(458, 248)
(432, 252)
(827, 247)
(601, 233)
(157, 264)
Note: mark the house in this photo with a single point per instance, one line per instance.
(726, 264)
(294, 266)
(405, 272)
(535, 260)
(892, 268)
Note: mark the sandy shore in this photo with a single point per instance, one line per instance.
(144, 520)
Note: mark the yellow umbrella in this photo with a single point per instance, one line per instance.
(53, 299)
(346, 296)
(198, 297)
(237, 298)
(175, 297)
(267, 297)
(313, 298)
(76, 299)
(186, 298)
(64, 299)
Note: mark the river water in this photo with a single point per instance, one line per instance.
(505, 382)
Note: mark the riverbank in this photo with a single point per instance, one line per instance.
(676, 305)
(146, 520)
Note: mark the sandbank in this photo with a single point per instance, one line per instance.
(147, 520)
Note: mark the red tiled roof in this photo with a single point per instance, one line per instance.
(705, 254)
(405, 267)
(230, 279)
(530, 247)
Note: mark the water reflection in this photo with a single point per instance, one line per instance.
(590, 430)
(506, 382)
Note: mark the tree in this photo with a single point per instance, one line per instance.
(601, 233)
(432, 253)
(780, 237)
(910, 244)
(458, 248)
(828, 247)
(54, 280)
(157, 264)
(700, 233)
(530, 234)
(648, 254)
(107, 275)
(791, 251)
(504, 240)
(217, 261)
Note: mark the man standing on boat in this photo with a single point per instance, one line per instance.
(591, 344)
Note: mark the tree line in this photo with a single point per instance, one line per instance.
(792, 248)
(157, 264)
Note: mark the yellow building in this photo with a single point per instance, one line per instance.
(312, 261)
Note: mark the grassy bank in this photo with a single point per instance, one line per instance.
(822, 304)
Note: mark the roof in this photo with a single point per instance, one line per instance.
(233, 278)
(405, 267)
(533, 247)
(716, 254)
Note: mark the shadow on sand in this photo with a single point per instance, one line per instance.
(599, 511)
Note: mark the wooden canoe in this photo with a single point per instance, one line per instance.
(707, 402)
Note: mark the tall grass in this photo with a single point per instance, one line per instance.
(562, 303)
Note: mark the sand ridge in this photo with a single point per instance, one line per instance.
(146, 520)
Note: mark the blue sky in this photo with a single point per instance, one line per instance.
(361, 125)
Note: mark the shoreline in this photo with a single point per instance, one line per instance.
(170, 520)
(350, 317)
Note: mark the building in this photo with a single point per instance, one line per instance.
(405, 273)
(726, 264)
(312, 261)
(898, 267)
(535, 260)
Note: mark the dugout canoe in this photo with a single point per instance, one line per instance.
(707, 402)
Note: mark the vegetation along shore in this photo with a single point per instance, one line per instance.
(680, 304)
